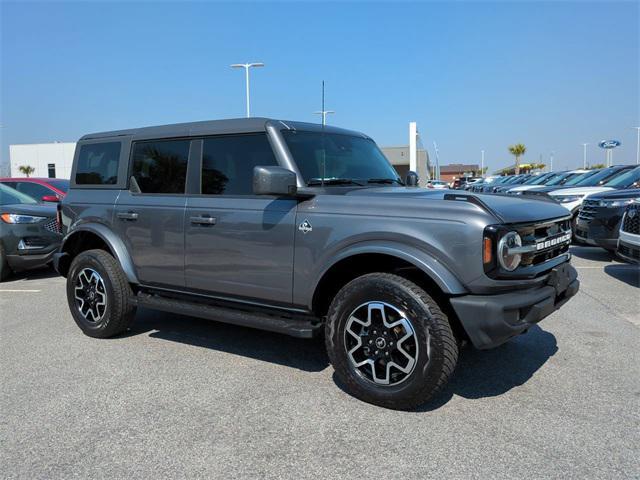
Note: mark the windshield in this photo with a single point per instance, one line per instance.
(629, 179)
(560, 178)
(9, 196)
(337, 157)
(61, 184)
(538, 179)
(601, 176)
(579, 177)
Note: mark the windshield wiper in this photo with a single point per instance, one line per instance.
(333, 181)
(385, 180)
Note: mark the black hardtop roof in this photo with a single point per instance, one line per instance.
(213, 127)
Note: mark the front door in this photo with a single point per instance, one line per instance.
(238, 244)
(151, 222)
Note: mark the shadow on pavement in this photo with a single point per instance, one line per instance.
(627, 273)
(592, 253)
(35, 274)
(489, 373)
(479, 374)
(302, 354)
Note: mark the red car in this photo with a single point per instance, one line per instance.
(40, 189)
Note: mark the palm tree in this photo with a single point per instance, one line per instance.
(26, 169)
(517, 150)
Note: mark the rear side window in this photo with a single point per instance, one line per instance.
(161, 166)
(228, 161)
(34, 190)
(98, 164)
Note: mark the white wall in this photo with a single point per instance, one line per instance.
(39, 155)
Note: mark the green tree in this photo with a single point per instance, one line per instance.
(517, 151)
(595, 166)
(26, 169)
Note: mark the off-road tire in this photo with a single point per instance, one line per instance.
(5, 270)
(120, 310)
(438, 350)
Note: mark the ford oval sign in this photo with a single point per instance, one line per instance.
(609, 144)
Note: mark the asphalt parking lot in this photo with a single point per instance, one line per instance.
(179, 397)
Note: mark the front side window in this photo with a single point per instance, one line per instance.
(161, 166)
(332, 156)
(98, 164)
(228, 162)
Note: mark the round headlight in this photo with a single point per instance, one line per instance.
(509, 261)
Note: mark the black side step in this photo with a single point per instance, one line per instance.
(301, 327)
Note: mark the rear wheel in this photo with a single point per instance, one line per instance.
(389, 342)
(99, 294)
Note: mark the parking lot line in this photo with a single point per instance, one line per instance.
(15, 291)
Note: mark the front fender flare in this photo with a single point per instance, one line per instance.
(114, 243)
(432, 267)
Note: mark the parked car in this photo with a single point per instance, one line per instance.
(40, 189)
(629, 239)
(487, 187)
(243, 221)
(560, 181)
(460, 183)
(625, 176)
(518, 180)
(600, 216)
(29, 232)
(539, 180)
(438, 184)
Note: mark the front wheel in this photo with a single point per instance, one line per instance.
(99, 294)
(389, 342)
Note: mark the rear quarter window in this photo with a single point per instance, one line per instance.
(98, 164)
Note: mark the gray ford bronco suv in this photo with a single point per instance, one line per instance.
(303, 229)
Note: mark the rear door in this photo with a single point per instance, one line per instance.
(238, 244)
(151, 222)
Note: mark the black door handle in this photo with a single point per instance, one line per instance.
(203, 220)
(127, 215)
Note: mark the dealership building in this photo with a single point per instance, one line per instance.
(50, 160)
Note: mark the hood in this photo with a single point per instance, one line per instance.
(26, 209)
(615, 194)
(506, 208)
(579, 191)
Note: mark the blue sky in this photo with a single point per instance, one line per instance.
(474, 75)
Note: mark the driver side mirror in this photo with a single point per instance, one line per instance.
(50, 198)
(412, 179)
(274, 181)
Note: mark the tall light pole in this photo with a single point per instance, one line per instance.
(551, 159)
(482, 163)
(584, 155)
(638, 147)
(246, 67)
(324, 114)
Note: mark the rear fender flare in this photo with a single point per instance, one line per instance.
(115, 244)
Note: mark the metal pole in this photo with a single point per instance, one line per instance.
(482, 164)
(638, 147)
(584, 155)
(552, 161)
(246, 69)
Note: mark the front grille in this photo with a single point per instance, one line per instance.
(551, 239)
(588, 210)
(631, 223)
(629, 252)
(52, 226)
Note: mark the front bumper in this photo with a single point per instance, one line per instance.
(629, 247)
(491, 320)
(30, 260)
(600, 231)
